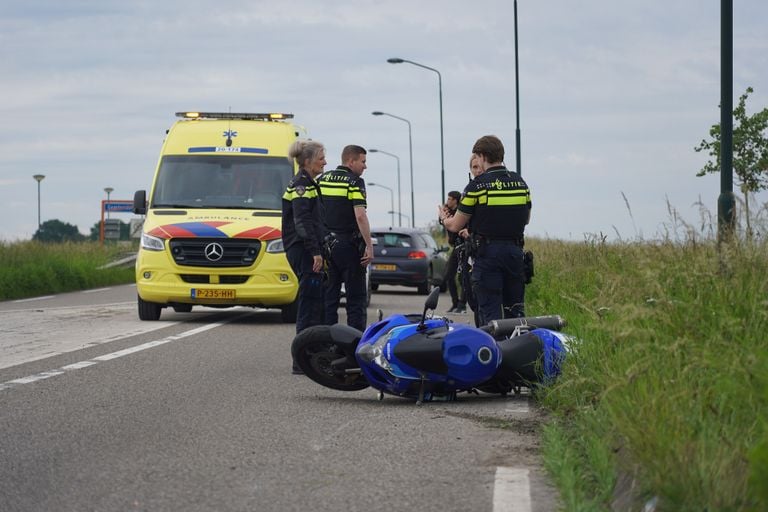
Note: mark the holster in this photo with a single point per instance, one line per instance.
(528, 266)
(477, 245)
(329, 242)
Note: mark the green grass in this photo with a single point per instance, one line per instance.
(29, 269)
(664, 389)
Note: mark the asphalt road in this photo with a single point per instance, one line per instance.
(199, 411)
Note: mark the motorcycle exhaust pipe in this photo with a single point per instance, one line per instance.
(507, 326)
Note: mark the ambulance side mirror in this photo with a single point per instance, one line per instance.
(140, 202)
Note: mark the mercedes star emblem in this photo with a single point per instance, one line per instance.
(214, 251)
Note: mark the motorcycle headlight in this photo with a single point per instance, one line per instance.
(152, 243)
(375, 353)
(275, 246)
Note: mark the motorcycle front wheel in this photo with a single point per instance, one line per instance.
(324, 361)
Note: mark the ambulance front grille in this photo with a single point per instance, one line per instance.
(214, 252)
(206, 279)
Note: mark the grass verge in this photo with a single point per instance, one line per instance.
(29, 269)
(664, 396)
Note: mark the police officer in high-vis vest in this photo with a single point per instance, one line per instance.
(349, 246)
(499, 203)
(303, 232)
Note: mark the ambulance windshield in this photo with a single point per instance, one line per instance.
(221, 181)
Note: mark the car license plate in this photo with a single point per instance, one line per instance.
(384, 267)
(212, 293)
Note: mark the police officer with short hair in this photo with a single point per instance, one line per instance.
(499, 203)
(303, 232)
(349, 237)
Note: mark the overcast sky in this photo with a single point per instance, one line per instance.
(614, 97)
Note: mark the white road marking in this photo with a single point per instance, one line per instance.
(96, 290)
(511, 490)
(113, 355)
(35, 298)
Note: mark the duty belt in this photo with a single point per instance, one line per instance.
(346, 236)
(520, 242)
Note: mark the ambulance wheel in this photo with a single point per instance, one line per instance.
(149, 310)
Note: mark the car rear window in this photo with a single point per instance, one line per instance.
(393, 240)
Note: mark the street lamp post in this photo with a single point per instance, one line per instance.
(399, 196)
(410, 152)
(517, 102)
(397, 60)
(38, 179)
(402, 215)
(391, 199)
(108, 190)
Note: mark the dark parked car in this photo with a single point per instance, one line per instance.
(407, 257)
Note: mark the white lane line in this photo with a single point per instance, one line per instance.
(96, 290)
(511, 490)
(113, 355)
(35, 298)
(131, 304)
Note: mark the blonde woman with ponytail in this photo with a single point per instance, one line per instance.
(303, 232)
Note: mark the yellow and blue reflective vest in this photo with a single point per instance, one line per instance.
(303, 213)
(499, 202)
(342, 191)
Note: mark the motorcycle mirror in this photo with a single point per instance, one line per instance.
(432, 299)
(430, 304)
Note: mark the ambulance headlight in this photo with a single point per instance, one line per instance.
(152, 243)
(275, 246)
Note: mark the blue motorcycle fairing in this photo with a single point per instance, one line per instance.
(555, 347)
(396, 356)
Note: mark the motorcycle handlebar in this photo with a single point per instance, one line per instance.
(508, 325)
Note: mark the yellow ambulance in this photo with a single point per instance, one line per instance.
(211, 234)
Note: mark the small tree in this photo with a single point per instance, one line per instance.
(750, 151)
(57, 231)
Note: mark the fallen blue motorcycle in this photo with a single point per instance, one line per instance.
(423, 358)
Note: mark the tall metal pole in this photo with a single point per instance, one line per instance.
(726, 220)
(108, 190)
(38, 178)
(517, 102)
(397, 60)
(410, 151)
(442, 151)
(391, 199)
(399, 195)
(402, 215)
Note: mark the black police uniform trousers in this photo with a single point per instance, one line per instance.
(311, 294)
(465, 273)
(458, 294)
(344, 267)
(498, 280)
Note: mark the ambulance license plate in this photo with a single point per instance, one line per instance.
(212, 293)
